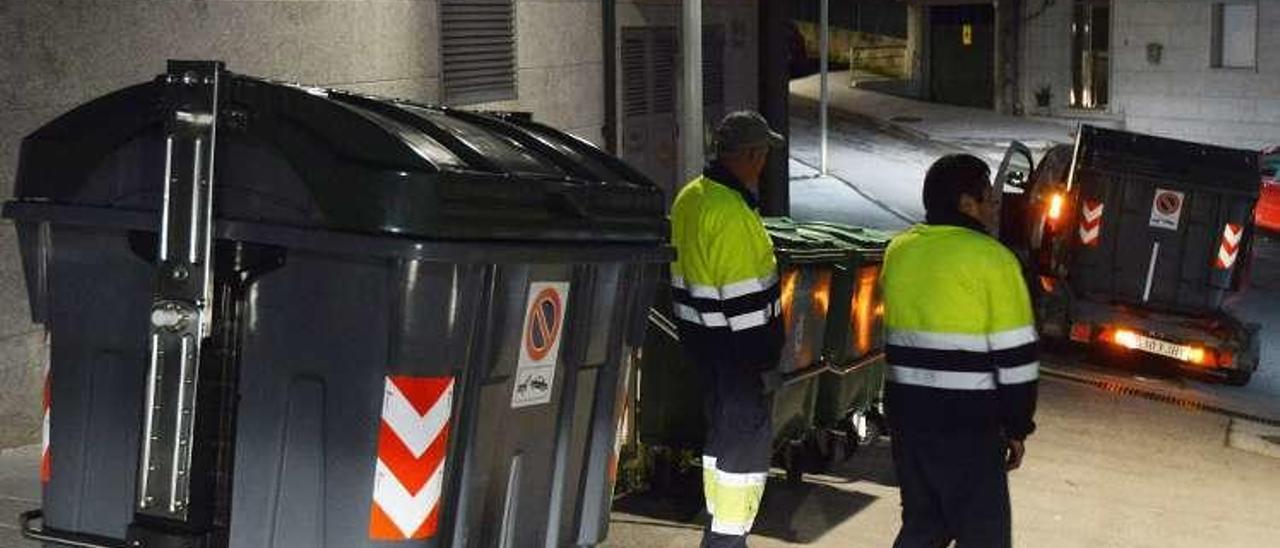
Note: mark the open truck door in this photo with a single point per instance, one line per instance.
(1011, 190)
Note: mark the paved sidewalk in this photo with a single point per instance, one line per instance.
(19, 491)
(885, 166)
(828, 198)
(1103, 470)
(938, 122)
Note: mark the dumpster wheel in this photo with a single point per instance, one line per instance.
(855, 434)
(793, 455)
(861, 428)
(804, 455)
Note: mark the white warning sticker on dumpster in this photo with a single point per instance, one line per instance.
(540, 343)
(1166, 209)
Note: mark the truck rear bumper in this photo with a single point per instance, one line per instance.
(1217, 344)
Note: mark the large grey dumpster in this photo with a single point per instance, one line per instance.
(365, 321)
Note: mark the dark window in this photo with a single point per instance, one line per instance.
(1235, 35)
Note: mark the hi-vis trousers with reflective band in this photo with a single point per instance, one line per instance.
(737, 450)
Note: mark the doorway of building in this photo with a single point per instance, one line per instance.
(1090, 54)
(962, 55)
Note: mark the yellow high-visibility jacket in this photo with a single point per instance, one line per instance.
(960, 333)
(725, 277)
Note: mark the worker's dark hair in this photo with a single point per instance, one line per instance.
(949, 178)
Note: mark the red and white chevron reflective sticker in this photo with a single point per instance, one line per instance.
(1091, 223)
(413, 438)
(46, 466)
(1230, 247)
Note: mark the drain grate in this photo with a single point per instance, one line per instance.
(1185, 403)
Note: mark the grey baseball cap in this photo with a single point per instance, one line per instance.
(746, 129)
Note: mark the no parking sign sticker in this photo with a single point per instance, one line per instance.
(540, 343)
(1166, 209)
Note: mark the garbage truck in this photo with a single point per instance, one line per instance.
(1133, 243)
(297, 317)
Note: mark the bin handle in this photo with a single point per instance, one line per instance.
(862, 363)
(664, 324)
(77, 540)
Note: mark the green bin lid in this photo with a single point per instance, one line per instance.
(858, 237)
(791, 236)
(814, 242)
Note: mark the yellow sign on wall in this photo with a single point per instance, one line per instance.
(966, 34)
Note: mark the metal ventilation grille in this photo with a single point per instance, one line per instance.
(635, 96)
(713, 65)
(478, 45)
(664, 63)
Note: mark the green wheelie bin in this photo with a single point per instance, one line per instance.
(849, 392)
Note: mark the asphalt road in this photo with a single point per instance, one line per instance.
(1260, 399)
(885, 168)
(1127, 454)
(1103, 470)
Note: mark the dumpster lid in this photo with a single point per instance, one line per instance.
(317, 158)
(1207, 167)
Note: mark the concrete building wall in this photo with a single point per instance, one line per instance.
(56, 54)
(1182, 96)
(1046, 54)
(560, 60)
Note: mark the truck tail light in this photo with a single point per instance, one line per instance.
(1055, 206)
(1125, 338)
(1081, 332)
(1197, 355)
(1226, 358)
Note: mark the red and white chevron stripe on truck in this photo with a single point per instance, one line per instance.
(46, 465)
(1091, 224)
(1230, 246)
(413, 439)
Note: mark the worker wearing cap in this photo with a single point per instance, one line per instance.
(725, 290)
(962, 354)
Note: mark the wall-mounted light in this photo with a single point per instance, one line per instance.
(1155, 51)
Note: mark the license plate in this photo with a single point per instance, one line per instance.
(1162, 348)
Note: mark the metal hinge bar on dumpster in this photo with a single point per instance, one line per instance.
(181, 311)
